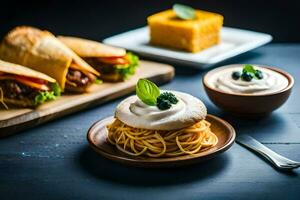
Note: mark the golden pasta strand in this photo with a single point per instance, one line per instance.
(153, 143)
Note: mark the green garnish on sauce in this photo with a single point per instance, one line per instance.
(249, 69)
(184, 12)
(248, 73)
(165, 100)
(150, 94)
(147, 91)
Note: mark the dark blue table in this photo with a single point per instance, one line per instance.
(53, 161)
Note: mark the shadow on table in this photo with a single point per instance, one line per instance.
(255, 126)
(105, 169)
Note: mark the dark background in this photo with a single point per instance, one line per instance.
(100, 19)
(53, 161)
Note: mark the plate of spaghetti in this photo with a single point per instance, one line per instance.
(157, 128)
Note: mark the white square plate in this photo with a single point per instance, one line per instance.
(233, 42)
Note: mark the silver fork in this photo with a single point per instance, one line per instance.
(277, 160)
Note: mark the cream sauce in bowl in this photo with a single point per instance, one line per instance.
(271, 82)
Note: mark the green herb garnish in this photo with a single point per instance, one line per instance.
(147, 92)
(150, 94)
(167, 96)
(165, 100)
(248, 73)
(164, 105)
(184, 12)
(250, 69)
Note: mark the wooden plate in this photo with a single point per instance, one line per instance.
(97, 138)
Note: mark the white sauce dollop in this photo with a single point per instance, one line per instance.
(272, 81)
(188, 110)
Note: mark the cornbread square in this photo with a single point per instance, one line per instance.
(166, 29)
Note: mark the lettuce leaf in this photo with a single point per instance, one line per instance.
(44, 96)
(98, 81)
(41, 97)
(129, 69)
(56, 89)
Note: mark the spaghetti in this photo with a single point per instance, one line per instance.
(158, 143)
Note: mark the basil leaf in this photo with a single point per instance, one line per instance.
(184, 12)
(250, 69)
(147, 91)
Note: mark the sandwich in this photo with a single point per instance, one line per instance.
(42, 51)
(113, 63)
(24, 87)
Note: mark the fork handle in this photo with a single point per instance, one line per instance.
(261, 149)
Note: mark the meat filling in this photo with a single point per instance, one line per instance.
(78, 78)
(103, 68)
(15, 90)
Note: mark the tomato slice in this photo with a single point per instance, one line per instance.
(35, 80)
(31, 82)
(114, 60)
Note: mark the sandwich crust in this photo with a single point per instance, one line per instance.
(81, 89)
(25, 103)
(88, 48)
(42, 51)
(15, 69)
(11, 68)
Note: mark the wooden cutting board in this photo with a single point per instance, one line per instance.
(17, 119)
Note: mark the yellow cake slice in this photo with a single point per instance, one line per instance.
(194, 35)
